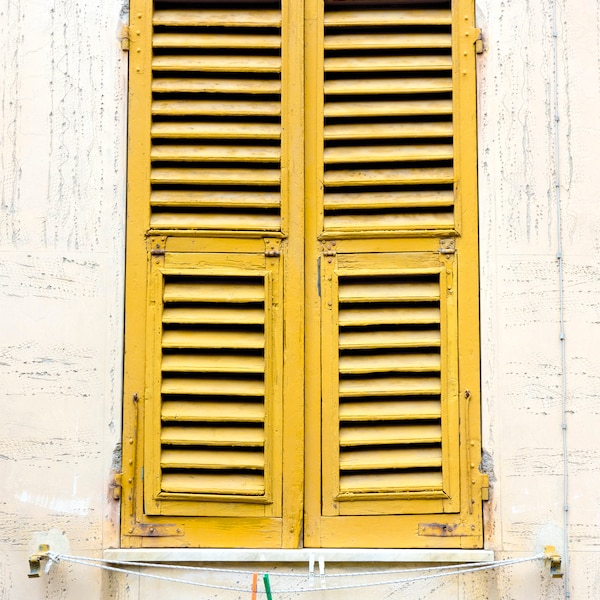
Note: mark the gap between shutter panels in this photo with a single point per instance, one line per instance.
(216, 117)
(389, 384)
(213, 396)
(388, 134)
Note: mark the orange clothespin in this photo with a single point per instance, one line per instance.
(254, 585)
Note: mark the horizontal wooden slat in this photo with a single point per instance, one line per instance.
(388, 109)
(216, 130)
(369, 64)
(214, 41)
(391, 482)
(390, 222)
(365, 131)
(216, 176)
(213, 339)
(389, 386)
(193, 153)
(386, 41)
(194, 363)
(217, 64)
(211, 459)
(212, 387)
(216, 108)
(397, 458)
(219, 86)
(216, 412)
(388, 200)
(213, 436)
(388, 316)
(243, 484)
(216, 221)
(213, 316)
(383, 435)
(381, 85)
(390, 410)
(218, 18)
(389, 291)
(362, 340)
(369, 154)
(384, 363)
(221, 291)
(416, 176)
(374, 17)
(203, 199)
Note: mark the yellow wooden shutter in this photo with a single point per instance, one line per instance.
(302, 312)
(392, 211)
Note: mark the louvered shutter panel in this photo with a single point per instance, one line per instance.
(217, 406)
(388, 117)
(389, 404)
(216, 117)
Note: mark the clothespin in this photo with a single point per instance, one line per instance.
(311, 570)
(254, 585)
(267, 586)
(322, 572)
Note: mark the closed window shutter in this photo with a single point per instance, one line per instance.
(302, 334)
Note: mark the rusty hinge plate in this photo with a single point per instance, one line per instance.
(116, 485)
(485, 487)
(125, 39)
(447, 246)
(272, 247)
(478, 42)
(445, 529)
(156, 530)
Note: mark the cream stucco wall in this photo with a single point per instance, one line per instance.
(62, 209)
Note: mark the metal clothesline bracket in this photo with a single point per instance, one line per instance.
(35, 560)
(554, 561)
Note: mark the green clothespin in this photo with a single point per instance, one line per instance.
(267, 586)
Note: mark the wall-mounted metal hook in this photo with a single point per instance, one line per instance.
(36, 559)
(554, 561)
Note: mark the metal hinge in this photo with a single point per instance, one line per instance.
(445, 529)
(329, 250)
(478, 42)
(125, 39)
(485, 487)
(156, 530)
(116, 485)
(447, 246)
(272, 247)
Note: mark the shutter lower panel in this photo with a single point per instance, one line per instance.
(216, 405)
(216, 117)
(388, 130)
(391, 400)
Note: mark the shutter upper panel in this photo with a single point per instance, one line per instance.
(388, 401)
(216, 116)
(214, 388)
(388, 117)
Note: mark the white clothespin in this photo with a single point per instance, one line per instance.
(322, 572)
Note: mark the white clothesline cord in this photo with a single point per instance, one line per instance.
(438, 571)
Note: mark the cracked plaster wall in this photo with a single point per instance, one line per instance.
(62, 207)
